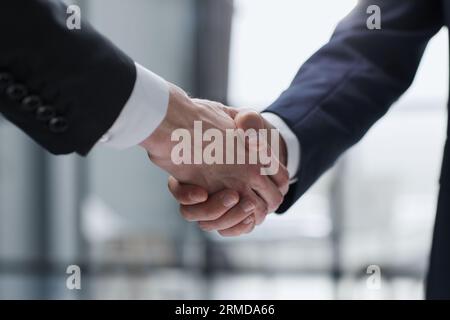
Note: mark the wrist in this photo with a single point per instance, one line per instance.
(179, 104)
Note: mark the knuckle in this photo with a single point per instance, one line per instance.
(232, 193)
(213, 215)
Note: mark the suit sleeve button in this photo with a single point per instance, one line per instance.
(44, 113)
(16, 92)
(5, 80)
(31, 103)
(58, 125)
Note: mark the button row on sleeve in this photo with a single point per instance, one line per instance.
(17, 92)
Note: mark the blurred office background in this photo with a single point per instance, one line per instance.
(112, 215)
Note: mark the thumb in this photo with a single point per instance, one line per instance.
(249, 119)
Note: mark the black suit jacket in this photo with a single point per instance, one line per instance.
(344, 88)
(64, 88)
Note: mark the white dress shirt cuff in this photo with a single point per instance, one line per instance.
(292, 143)
(143, 112)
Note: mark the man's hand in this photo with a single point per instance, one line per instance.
(258, 194)
(219, 211)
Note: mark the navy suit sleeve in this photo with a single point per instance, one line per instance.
(346, 86)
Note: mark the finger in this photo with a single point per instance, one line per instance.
(268, 191)
(250, 119)
(244, 227)
(234, 216)
(250, 122)
(212, 209)
(281, 178)
(187, 194)
(261, 209)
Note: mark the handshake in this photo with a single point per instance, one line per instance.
(227, 166)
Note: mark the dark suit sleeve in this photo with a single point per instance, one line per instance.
(344, 88)
(64, 88)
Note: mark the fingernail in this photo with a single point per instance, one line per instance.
(229, 200)
(249, 220)
(248, 206)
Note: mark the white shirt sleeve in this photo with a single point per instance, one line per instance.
(143, 112)
(292, 143)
